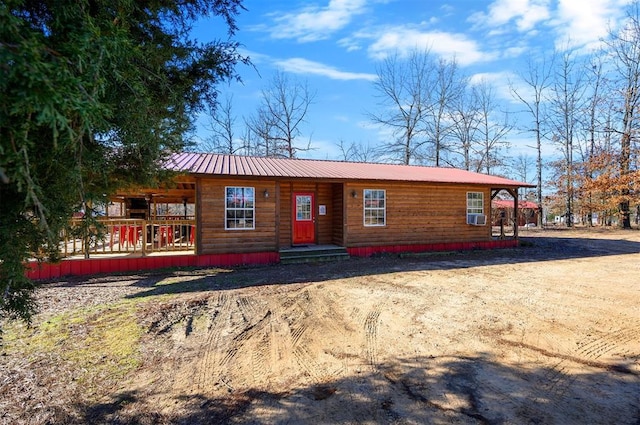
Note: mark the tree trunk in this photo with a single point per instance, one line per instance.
(625, 145)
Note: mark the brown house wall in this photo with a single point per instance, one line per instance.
(415, 214)
(337, 209)
(214, 239)
(324, 223)
(285, 214)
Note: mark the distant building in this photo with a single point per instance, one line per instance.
(528, 212)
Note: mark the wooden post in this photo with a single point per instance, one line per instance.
(144, 238)
(514, 193)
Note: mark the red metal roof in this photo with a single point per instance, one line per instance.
(247, 166)
(506, 203)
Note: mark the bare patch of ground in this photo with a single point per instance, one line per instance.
(546, 333)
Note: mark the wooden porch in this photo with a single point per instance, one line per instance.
(129, 236)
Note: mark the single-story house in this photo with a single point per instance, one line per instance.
(264, 205)
(253, 210)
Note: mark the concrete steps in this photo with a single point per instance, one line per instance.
(313, 253)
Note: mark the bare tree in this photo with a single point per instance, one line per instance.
(402, 88)
(536, 81)
(523, 167)
(565, 106)
(221, 124)
(624, 46)
(416, 98)
(284, 108)
(492, 130)
(259, 134)
(357, 152)
(595, 137)
(445, 91)
(465, 115)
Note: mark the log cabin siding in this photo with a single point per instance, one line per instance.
(215, 239)
(324, 223)
(337, 209)
(284, 194)
(415, 214)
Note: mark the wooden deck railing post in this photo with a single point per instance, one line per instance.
(122, 235)
(144, 237)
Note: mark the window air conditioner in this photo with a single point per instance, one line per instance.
(477, 219)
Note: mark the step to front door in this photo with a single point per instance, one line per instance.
(312, 253)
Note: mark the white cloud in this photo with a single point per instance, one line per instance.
(525, 13)
(404, 40)
(350, 44)
(316, 23)
(584, 23)
(304, 66)
(323, 149)
(500, 81)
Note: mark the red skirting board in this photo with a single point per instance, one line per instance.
(449, 246)
(92, 266)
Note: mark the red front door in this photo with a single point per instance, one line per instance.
(304, 218)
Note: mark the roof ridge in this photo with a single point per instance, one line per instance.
(340, 161)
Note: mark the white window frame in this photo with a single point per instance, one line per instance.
(377, 208)
(472, 206)
(475, 206)
(227, 209)
(308, 213)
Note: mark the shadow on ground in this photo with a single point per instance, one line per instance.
(432, 390)
(533, 249)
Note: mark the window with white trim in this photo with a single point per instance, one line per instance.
(475, 203)
(375, 207)
(239, 208)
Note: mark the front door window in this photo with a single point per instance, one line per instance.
(303, 207)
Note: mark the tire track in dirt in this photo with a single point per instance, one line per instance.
(554, 384)
(247, 308)
(306, 360)
(221, 349)
(261, 357)
(241, 371)
(209, 361)
(547, 393)
(371, 324)
(596, 346)
(296, 333)
(309, 307)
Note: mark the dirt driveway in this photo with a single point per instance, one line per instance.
(548, 333)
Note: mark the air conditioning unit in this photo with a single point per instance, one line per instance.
(477, 219)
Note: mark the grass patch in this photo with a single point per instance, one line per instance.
(100, 345)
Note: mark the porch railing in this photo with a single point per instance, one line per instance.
(121, 235)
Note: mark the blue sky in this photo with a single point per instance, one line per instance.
(336, 45)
